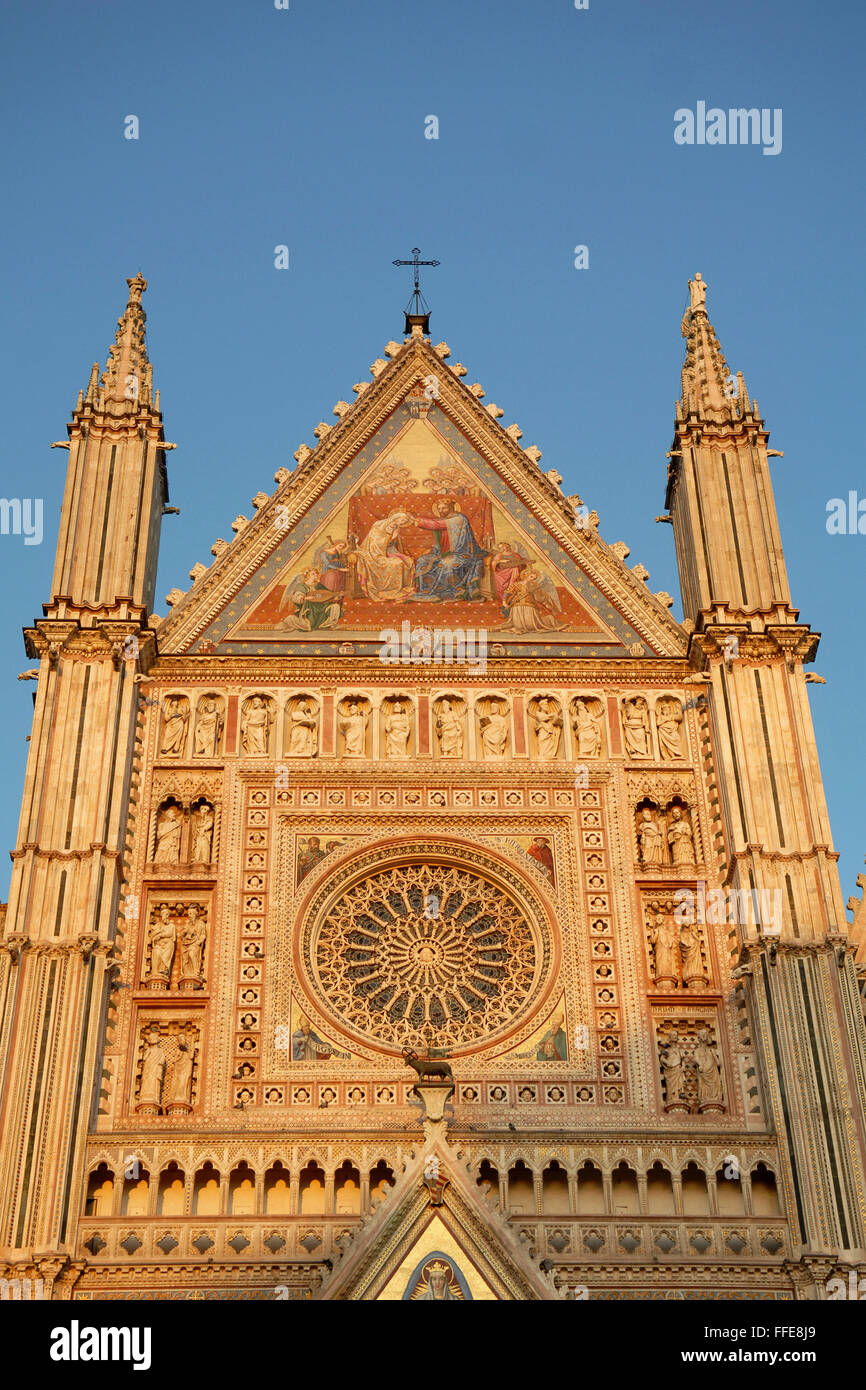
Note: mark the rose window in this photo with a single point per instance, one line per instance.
(425, 953)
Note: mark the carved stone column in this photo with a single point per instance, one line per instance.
(677, 1184)
(607, 1184)
(713, 1194)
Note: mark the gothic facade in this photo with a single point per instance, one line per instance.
(419, 911)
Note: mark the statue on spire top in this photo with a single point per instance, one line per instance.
(136, 288)
(698, 292)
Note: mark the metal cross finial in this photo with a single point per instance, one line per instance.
(417, 304)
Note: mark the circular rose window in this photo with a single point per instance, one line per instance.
(426, 952)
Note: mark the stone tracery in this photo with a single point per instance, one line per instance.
(428, 953)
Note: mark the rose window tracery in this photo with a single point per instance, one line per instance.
(425, 953)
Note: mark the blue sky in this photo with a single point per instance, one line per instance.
(305, 127)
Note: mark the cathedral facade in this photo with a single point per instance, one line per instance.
(418, 910)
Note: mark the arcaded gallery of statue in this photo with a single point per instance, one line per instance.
(417, 910)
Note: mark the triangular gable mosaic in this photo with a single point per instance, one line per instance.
(420, 529)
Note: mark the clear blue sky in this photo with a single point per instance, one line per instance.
(305, 126)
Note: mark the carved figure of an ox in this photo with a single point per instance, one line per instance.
(436, 1068)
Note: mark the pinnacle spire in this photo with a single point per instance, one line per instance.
(709, 390)
(128, 375)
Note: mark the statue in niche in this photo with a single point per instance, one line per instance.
(152, 1071)
(256, 726)
(163, 941)
(586, 723)
(354, 718)
(202, 834)
(547, 718)
(175, 714)
(208, 727)
(663, 935)
(669, 719)
(303, 740)
(180, 1084)
(636, 729)
(680, 838)
(193, 939)
(650, 839)
(690, 951)
(494, 729)
(398, 728)
(449, 728)
(169, 824)
(705, 1060)
(672, 1064)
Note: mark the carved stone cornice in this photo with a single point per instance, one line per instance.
(86, 944)
(366, 669)
(14, 945)
(781, 856)
(751, 949)
(97, 640)
(35, 851)
(776, 642)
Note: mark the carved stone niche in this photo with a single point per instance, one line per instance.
(202, 832)
(258, 717)
(587, 723)
(184, 830)
(167, 1068)
(669, 797)
(676, 942)
(167, 834)
(175, 726)
(669, 728)
(192, 945)
(690, 1066)
(175, 945)
(493, 727)
(449, 726)
(209, 726)
(680, 833)
(397, 727)
(651, 835)
(354, 713)
(663, 943)
(301, 727)
(636, 732)
(546, 737)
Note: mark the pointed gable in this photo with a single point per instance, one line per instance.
(448, 1227)
(419, 508)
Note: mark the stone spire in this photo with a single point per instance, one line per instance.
(94, 645)
(709, 390)
(116, 483)
(128, 375)
(774, 841)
